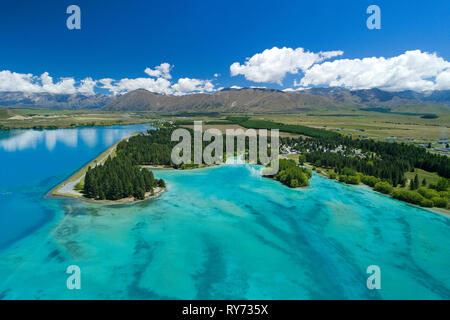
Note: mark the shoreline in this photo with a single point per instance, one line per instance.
(73, 180)
(123, 201)
(66, 189)
(435, 210)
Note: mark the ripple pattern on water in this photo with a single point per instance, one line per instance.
(224, 233)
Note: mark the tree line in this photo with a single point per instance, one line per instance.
(386, 160)
(292, 128)
(119, 178)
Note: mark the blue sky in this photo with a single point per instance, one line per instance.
(120, 39)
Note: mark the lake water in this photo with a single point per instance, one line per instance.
(216, 233)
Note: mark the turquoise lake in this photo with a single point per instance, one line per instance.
(217, 233)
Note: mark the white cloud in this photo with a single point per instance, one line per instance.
(107, 83)
(65, 85)
(158, 82)
(87, 86)
(272, 65)
(161, 71)
(161, 84)
(13, 81)
(443, 80)
(412, 70)
(258, 87)
(187, 85)
(293, 90)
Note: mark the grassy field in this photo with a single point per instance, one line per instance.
(46, 118)
(357, 123)
(375, 125)
(360, 124)
(430, 177)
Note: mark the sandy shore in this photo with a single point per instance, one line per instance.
(130, 200)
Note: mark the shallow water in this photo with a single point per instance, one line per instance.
(227, 233)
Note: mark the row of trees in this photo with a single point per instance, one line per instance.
(421, 197)
(393, 171)
(154, 147)
(436, 195)
(119, 178)
(292, 128)
(382, 159)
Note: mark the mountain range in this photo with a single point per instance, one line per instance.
(54, 101)
(270, 100)
(252, 100)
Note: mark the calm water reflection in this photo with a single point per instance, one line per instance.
(34, 161)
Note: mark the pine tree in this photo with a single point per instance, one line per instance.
(414, 184)
(416, 181)
(139, 194)
(403, 183)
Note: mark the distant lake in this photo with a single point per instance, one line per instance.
(216, 233)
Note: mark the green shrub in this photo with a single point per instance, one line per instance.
(444, 194)
(332, 175)
(440, 202)
(408, 196)
(370, 180)
(384, 187)
(428, 193)
(353, 179)
(294, 183)
(426, 203)
(349, 179)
